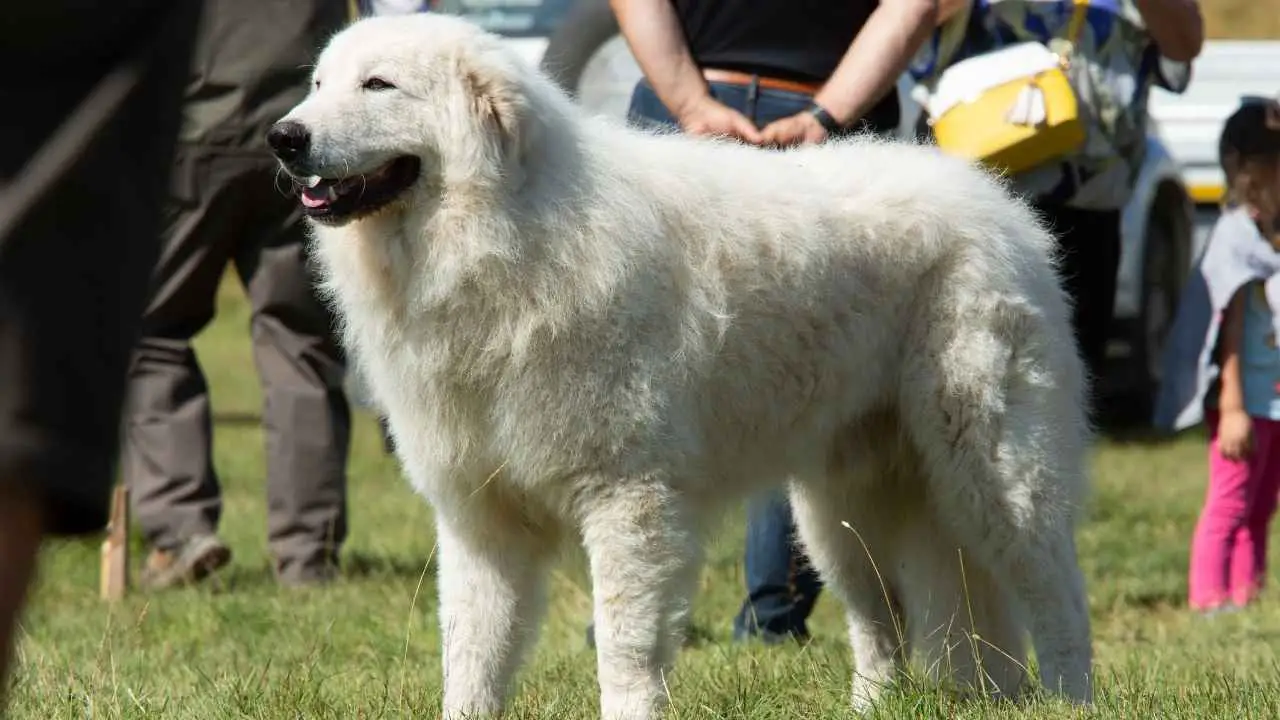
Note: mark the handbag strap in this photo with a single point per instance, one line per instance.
(1076, 27)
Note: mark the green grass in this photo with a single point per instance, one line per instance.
(368, 647)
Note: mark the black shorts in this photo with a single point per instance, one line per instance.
(79, 231)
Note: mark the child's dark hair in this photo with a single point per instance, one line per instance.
(1249, 150)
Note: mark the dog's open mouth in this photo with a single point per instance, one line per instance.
(338, 200)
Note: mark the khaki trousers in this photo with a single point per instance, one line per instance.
(225, 208)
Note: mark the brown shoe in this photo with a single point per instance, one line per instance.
(192, 561)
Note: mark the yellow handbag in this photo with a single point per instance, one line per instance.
(1012, 109)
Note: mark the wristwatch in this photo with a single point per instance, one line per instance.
(825, 119)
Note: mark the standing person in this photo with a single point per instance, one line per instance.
(83, 169)
(771, 74)
(251, 66)
(1223, 364)
(1124, 48)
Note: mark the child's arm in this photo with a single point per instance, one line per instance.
(1235, 429)
(1231, 398)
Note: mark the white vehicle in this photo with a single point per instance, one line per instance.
(1226, 71)
(577, 43)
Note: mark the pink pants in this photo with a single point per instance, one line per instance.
(1229, 550)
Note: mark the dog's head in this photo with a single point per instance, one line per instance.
(399, 109)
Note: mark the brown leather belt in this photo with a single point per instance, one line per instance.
(733, 77)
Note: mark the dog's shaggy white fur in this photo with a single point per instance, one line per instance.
(582, 330)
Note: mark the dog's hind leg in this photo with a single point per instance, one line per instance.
(492, 570)
(998, 420)
(997, 646)
(847, 531)
(645, 555)
(963, 624)
(1041, 568)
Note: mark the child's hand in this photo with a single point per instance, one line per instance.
(1235, 435)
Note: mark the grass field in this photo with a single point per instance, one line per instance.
(368, 647)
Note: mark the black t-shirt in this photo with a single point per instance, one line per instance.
(795, 39)
(792, 39)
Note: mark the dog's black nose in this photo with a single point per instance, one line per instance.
(288, 140)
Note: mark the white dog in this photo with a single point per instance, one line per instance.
(579, 329)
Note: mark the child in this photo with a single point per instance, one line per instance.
(1235, 382)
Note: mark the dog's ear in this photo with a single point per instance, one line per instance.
(500, 104)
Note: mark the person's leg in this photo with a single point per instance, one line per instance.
(1089, 247)
(167, 457)
(307, 416)
(1249, 556)
(79, 216)
(1225, 512)
(646, 111)
(782, 586)
(21, 524)
(1267, 500)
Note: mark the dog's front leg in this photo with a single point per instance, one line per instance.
(645, 556)
(492, 597)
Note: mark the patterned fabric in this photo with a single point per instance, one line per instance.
(1237, 254)
(1114, 66)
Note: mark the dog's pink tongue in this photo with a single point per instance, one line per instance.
(317, 197)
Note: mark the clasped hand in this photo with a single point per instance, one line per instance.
(710, 118)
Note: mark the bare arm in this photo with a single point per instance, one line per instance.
(870, 67)
(1235, 428)
(878, 55)
(652, 31)
(1176, 26)
(948, 8)
(1231, 392)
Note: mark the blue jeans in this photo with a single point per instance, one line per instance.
(782, 588)
(761, 106)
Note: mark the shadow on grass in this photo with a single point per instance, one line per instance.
(1154, 601)
(1125, 421)
(237, 419)
(355, 568)
(365, 566)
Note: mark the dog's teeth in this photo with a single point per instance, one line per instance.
(332, 194)
(313, 181)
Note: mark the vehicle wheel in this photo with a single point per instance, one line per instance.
(1165, 266)
(587, 26)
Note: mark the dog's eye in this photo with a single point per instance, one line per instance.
(377, 83)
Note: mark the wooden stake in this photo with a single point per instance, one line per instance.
(114, 570)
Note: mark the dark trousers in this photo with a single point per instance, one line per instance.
(1089, 257)
(79, 213)
(225, 208)
(781, 585)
